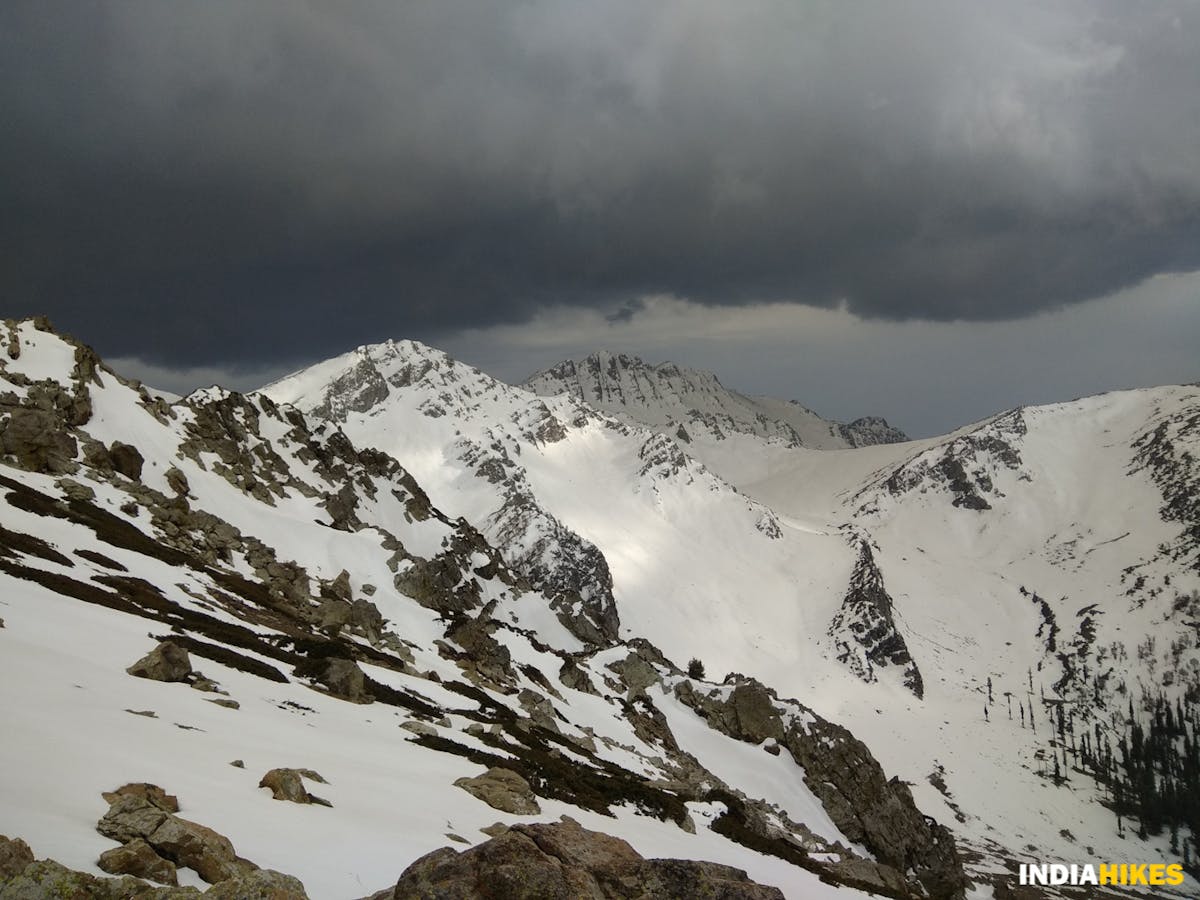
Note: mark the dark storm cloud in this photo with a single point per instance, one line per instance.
(206, 181)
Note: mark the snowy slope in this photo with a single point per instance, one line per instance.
(366, 634)
(1043, 551)
(693, 404)
(519, 551)
(694, 563)
(952, 529)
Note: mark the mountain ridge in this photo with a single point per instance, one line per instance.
(668, 397)
(516, 580)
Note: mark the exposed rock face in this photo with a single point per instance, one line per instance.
(567, 861)
(166, 662)
(870, 430)
(15, 855)
(866, 806)
(570, 570)
(966, 467)
(863, 630)
(637, 673)
(502, 789)
(1164, 454)
(39, 441)
(486, 656)
(540, 709)
(138, 858)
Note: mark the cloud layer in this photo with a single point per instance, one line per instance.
(217, 181)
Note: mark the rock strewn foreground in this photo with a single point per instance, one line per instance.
(563, 861)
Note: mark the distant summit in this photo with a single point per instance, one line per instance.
(678, 400)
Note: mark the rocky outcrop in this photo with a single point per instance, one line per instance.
(177, 481)
(864, 632)
(24, 878)
(261, 884)
(570, 570)
(870, 430)
(126, 460)
(288, 784)
(966, 467)
(485, 656)
(166, 662)
(47, 879)
(152, 792)
(184, 843)
(15, 855)
(39, 441)
(865, 805)
(1166, 453)
(139, 859)
(342, 677)
(502, 789)
(637, 673)
(567, 861)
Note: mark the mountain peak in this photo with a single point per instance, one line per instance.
(668, 396)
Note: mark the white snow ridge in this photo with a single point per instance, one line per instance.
(621, 632)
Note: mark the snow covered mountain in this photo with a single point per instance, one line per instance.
(406, 573)
(356, 638)
(890, 590)
(692, 404)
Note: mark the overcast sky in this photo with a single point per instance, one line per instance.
(928, 210)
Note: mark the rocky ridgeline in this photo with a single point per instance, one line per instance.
(867, 806)
(868, 431)
(686, 402)
(1167, 453)
(288, 623)
(864, 632)
(551, 558)
(547, 556)
(965, 467)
